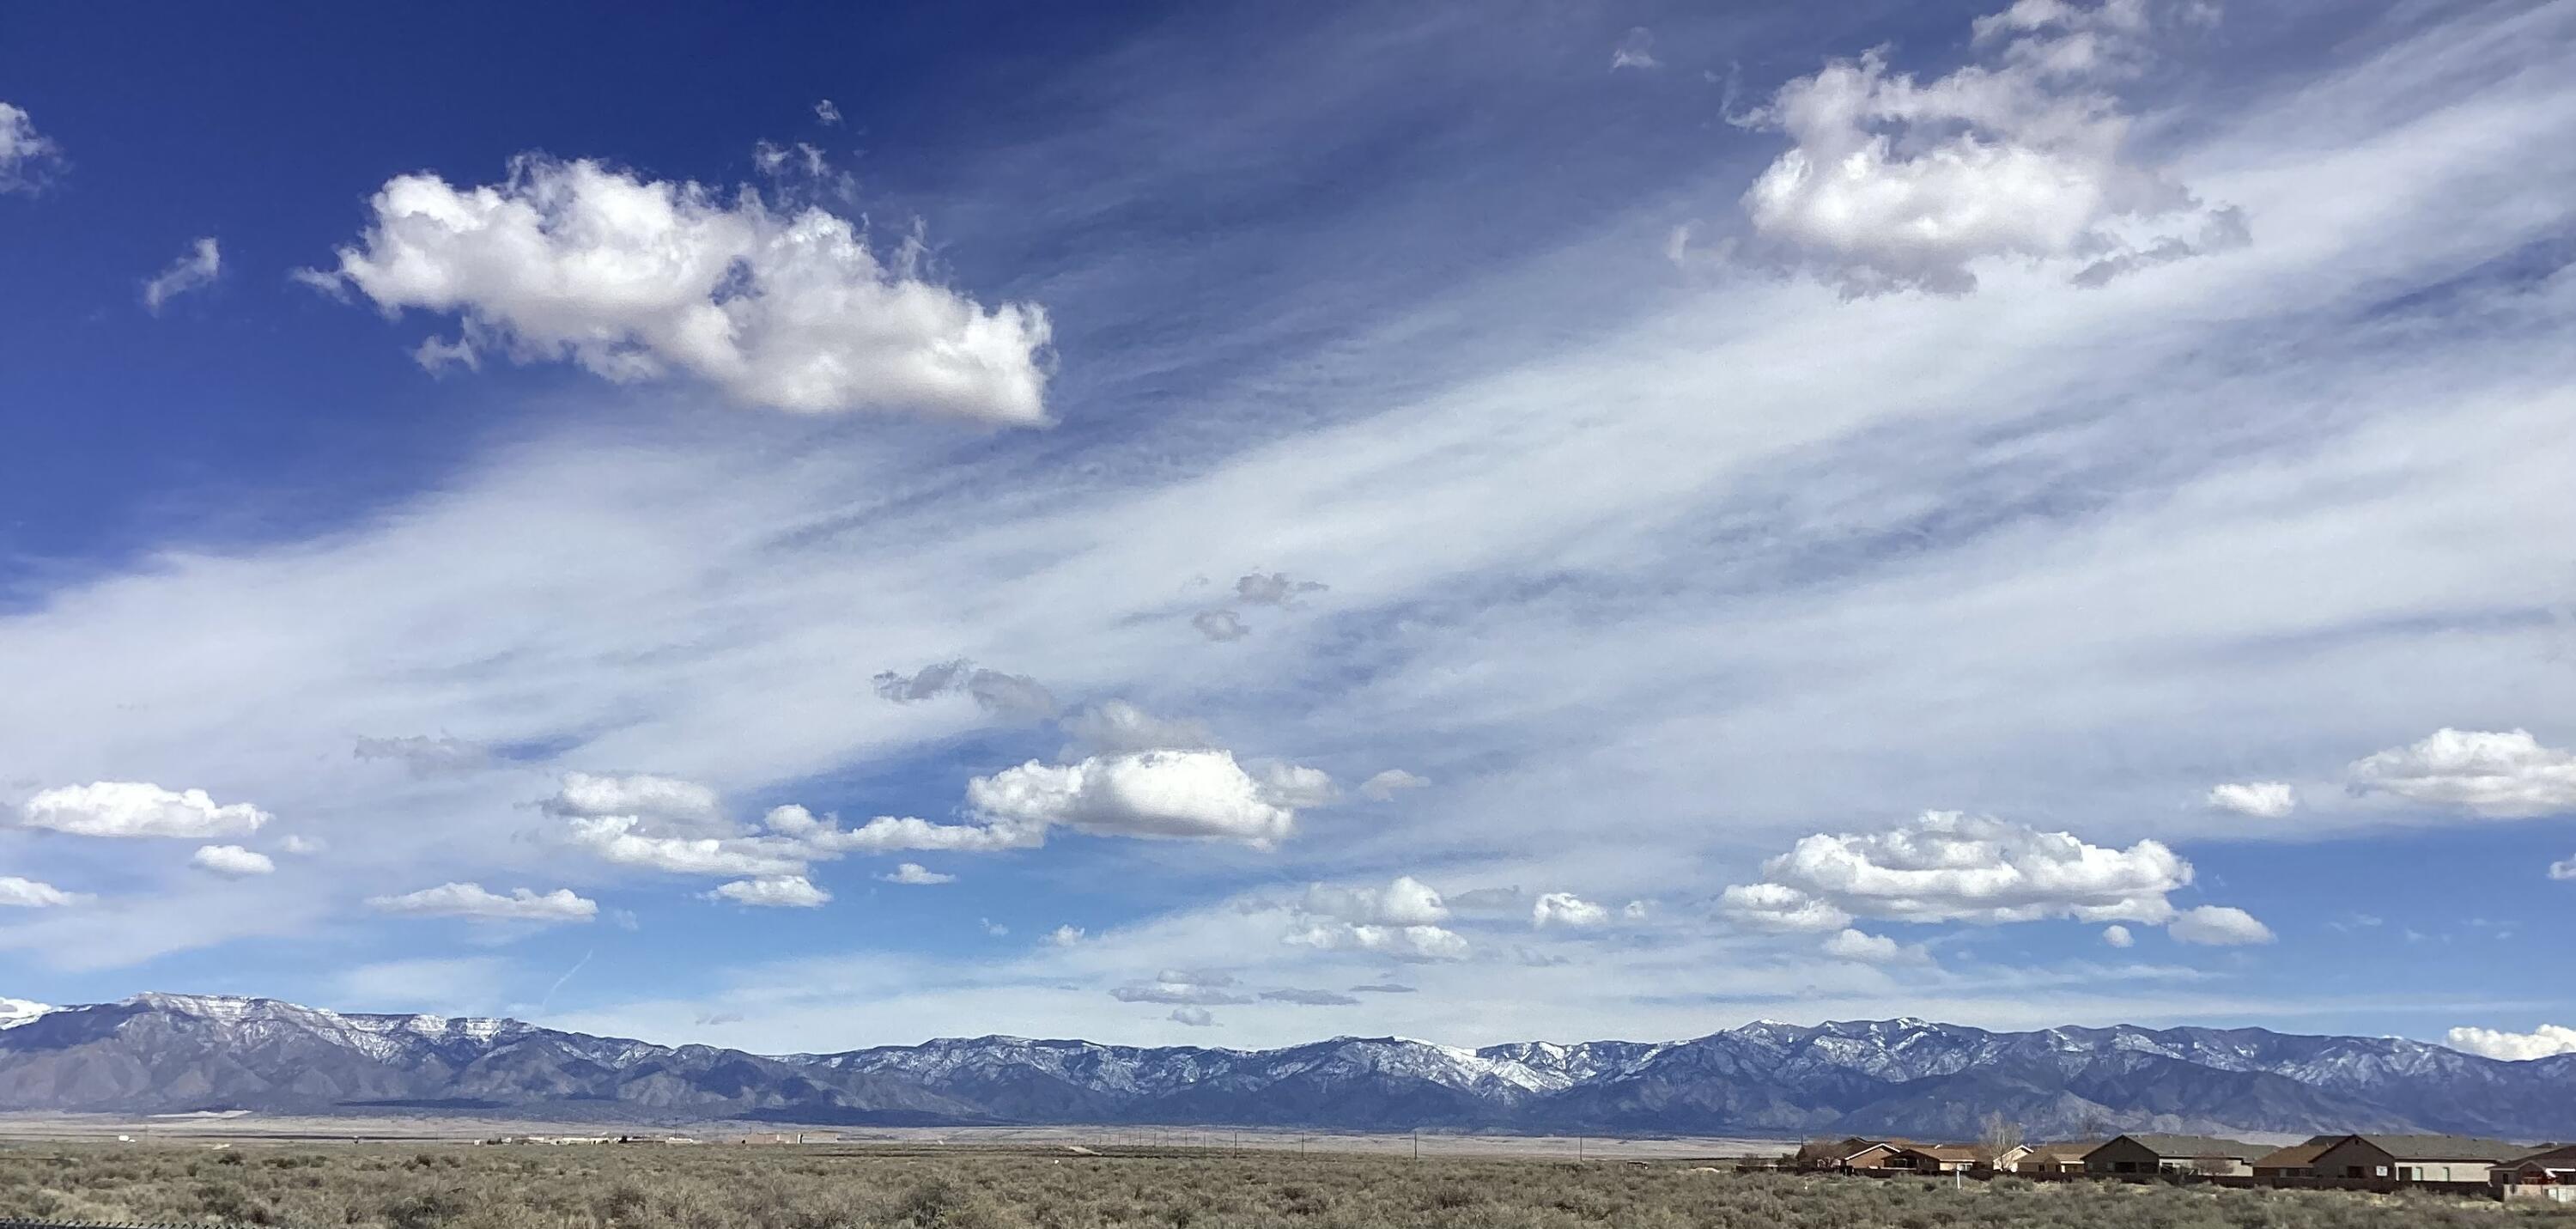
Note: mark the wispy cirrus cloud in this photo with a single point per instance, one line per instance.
(194, 271)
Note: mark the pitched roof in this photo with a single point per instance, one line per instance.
(2296, 1156)
(2441, 1147)
(1950, 1152)
(2555, 1156)
(2072, 1150)
(2197, 1146)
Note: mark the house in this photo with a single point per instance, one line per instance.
(2065, 1158)
(2547, 1174)
(1884, 1155)
(2179, 1154)
(1946, 1158)
(2414, 1158)
(1832, 1153)
(2295, 1161)
(2007, 1161)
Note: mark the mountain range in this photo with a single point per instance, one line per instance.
(176, 1053)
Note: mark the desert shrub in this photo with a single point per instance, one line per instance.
(656, 1187)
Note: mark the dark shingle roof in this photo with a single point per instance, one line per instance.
(2296, 1155)
(2198, 1146)
(2441, 1147)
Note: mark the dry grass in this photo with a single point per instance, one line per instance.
(653, 1186)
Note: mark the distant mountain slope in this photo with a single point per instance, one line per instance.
(162, 1053)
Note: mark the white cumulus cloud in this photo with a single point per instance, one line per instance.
(893, 833)
(1407, 943)
(1567, 909)
(1406, 901)
(20, 893)
(2218, 926)
(472, 900)
(1194, 1017)
(661, 806)
(1895, 183)
(1297, 787)
(195, 270)
(1182, 794)
(26, 155)
(231, 861)
(2260, 799)
(617, 839)
(773, 892)
(1775, 907)
(1864, 948)
(916, 874)
(1950, 867)
(2118, 936)
(2505, 775)
(639, 279)
(138, 809)
(2563, 870)
(2542, 1042)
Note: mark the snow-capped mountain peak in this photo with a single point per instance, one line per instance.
(14, 1012)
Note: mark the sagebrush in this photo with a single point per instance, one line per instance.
(717, 1187)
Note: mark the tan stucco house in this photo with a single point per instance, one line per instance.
(2415, 1158)
(2181, 1154)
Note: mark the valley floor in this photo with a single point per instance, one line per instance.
(1063, 1186)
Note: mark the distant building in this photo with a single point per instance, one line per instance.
(1826, 1153)
(1884, 1155)
(2007, 1161)
(2060, 1158)
(1947, 1158)
(2175, 1154)
(2414, 1158)
(2295, 1161)
(2547, 1174)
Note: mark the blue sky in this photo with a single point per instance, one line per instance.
(1621, 520)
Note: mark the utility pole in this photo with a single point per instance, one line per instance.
(1578, 1149)
(1417, 1145)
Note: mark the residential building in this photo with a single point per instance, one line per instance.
(2007, 1161)
(1946, 1158)
(2414, 1158)
(2295, 1161)
(2179, 1154)
(2060, 1158)
(1885, 1155)
(2547, 1174)
(1833, 1153)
